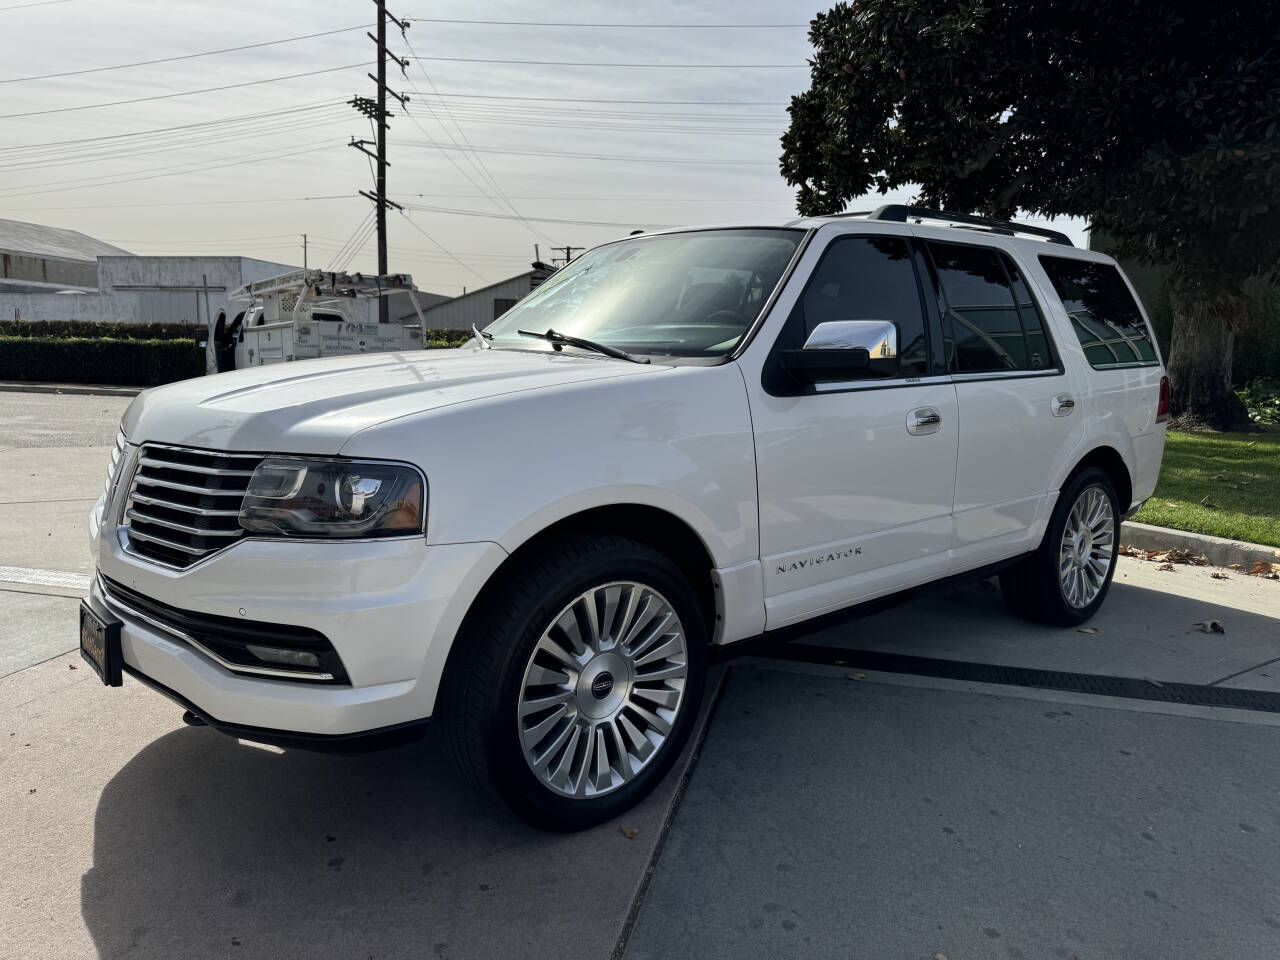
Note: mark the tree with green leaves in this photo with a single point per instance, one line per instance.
(1158, 121)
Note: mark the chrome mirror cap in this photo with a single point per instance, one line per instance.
(878, 337)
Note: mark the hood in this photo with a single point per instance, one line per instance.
(314, 406)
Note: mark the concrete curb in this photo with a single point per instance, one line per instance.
(83, 389)
(1221, 552)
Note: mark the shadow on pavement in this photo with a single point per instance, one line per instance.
(206, 847)
(1139, 632)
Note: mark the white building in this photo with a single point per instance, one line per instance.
(39, 259)
(50, 273)
(482, 307)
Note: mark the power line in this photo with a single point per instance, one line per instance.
(660, 103)
(40, 3)
(581, 63)
(184, 93)
(60, 185)
(165, 146)
(449, 253)
(185, 203)
(473, 158)
(641, 26)
(504, 216)
(310, 105)
(604, 156)
(185, 56)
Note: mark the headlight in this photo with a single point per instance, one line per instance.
(294, 497)
(117, 454)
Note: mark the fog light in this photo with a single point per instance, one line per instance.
(289, 658)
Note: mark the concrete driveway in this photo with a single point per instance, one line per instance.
(833, 810)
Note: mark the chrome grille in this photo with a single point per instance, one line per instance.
(184, 504)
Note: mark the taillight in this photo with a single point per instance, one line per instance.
(1162, 408)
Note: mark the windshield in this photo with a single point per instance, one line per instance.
(681, 294)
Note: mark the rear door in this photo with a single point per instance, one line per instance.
(1017, 405)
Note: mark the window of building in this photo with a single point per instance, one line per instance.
(870, 278)
(501, 305)
(1104, 314)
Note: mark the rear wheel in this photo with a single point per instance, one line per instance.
(578, 682)
(1066, 580)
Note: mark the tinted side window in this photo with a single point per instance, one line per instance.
(1039, 347)
(1103, 312)
(981, 319)
(870, 278)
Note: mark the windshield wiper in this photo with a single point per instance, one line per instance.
(562, 339)
(481, 336)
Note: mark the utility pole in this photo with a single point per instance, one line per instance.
(568, 253)
(304, 251)
(376, 110)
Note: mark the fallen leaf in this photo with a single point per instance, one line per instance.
(1206, 502)
(71, 666)
(1260, 569)
(1237, 566)
(856, 676)
(1165, 566)
(630, 832)
(1088, 630)
(1209, 626)
(1127, 551)
(1219, 576)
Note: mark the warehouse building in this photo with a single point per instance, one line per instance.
(39, 259)
(482, 307)
(50, 273)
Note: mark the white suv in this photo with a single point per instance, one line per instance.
(679, 440)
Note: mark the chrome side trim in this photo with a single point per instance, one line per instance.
(1005, 375)
(120, 607)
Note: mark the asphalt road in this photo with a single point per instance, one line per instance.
(831, 812)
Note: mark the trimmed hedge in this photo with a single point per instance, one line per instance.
(133, 363)
(118, 354)
(89, 330)
(446, 338)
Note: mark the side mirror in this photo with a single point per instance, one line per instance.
(826, 366)
(845, 350)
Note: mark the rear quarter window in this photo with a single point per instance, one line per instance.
(1104, 314)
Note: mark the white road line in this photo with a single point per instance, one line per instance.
(30, 576)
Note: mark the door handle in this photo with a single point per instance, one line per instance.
(923, 421)
(1062, 405)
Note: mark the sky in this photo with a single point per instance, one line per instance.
(490, 158)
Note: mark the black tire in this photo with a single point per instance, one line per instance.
(1033, 588)
(479, 699)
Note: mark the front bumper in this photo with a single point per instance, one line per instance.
(390, 608)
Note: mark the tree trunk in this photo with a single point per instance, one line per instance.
(1199, 362)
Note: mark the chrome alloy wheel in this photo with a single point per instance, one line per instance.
(1088, 547)
(602, 690)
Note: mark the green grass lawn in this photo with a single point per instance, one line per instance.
(1238, 472)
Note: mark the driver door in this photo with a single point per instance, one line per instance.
(856, 469)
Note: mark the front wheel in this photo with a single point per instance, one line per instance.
(1066, 580)
(579, 681)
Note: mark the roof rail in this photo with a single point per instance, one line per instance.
(900, 213)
